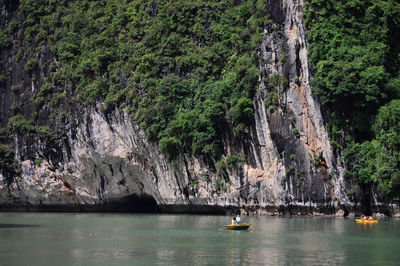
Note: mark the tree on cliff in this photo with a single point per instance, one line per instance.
(356, 53)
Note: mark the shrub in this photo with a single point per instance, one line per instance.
(170, 146)
(243, 112)
(2, 80)
(315, 160)
(221, 164)
(234, 160)
(18, 123)
(31, 64)
(296, 132)
(5, 41)
(14, 88)
(38, 161)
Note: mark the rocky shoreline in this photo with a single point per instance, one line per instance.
(149, 206)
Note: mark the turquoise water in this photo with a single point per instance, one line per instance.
(154, 239)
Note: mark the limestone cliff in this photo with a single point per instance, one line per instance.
(105, 161)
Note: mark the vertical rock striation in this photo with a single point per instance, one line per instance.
(297, 161)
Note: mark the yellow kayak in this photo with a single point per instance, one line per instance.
(366, 221)
(237, 226)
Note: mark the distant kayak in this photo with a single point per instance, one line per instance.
(366, 221)
(237, 226)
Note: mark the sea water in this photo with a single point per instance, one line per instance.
(161, 239)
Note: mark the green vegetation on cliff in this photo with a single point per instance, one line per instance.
(355, 49)
(186, 70)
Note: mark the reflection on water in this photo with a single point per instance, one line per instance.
(135, 239)
(17, 225)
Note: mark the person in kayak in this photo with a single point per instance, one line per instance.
(234, 220)
(364, 217)
(370, 218)
(238, 219)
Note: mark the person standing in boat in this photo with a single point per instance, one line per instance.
(238, 219)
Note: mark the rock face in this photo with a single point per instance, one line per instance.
(106, 162)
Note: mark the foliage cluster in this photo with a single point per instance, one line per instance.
(356, 53)
(275, 81)
(231, 161)
(378, 160)
(8, 165)
(4, 40)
